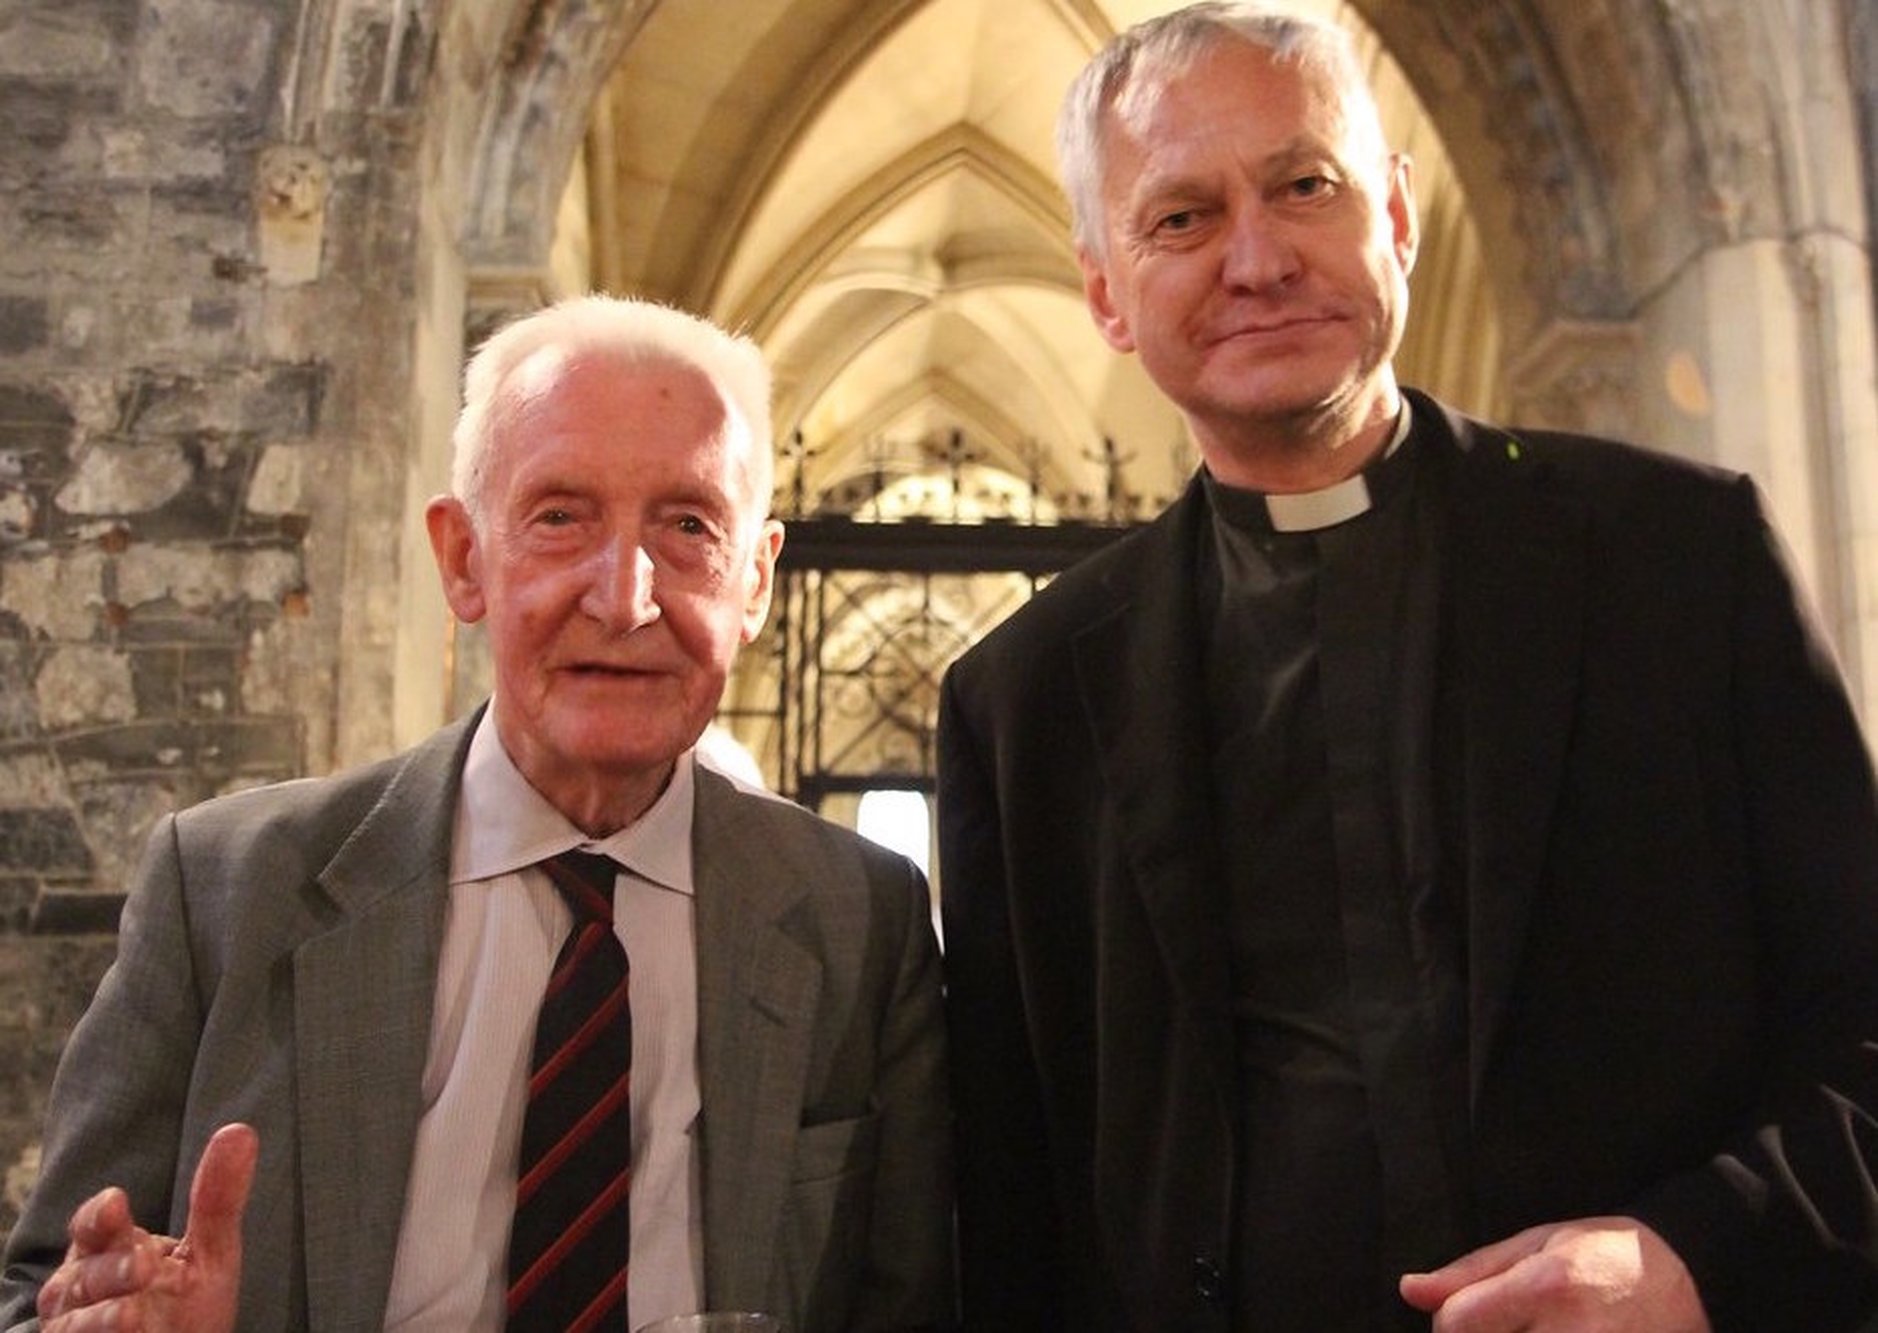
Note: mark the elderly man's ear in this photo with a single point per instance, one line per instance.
(459, 558)
(760, 583)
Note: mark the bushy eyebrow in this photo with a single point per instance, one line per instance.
(1297, 151)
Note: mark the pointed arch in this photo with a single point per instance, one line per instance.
(959, 148)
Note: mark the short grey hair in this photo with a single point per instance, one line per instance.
(1161, 48)
(637, 332)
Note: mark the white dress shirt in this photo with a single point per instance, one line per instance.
(504, 927)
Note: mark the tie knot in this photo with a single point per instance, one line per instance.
(585, 880)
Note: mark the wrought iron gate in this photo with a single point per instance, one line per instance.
(867, 617)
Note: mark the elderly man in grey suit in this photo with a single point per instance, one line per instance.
(311, 1061)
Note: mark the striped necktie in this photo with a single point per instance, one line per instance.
(569, 1247)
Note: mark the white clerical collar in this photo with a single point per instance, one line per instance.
(1306, 511)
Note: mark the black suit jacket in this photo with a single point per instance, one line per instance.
(1668, 839)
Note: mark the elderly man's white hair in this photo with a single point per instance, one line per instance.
(636, 332)
(1159, 49)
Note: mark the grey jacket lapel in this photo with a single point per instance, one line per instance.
(364, 986)
(758, 993)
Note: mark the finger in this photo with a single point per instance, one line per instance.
(219, 1195)
(1429, 1291)
(100, 1222)
(56, 1293)
(79, 1283)
(111, 1317)
(1497, 1303)
(1565, 1283)
(103, 1236)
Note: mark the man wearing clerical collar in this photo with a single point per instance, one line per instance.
(1429, 876)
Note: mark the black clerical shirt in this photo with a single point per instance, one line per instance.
(1320, 659)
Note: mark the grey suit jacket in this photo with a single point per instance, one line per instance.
(277, 965)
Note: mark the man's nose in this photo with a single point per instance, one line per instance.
(1258, 255)
(623, 591)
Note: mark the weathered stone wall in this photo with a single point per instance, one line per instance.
(151, 535)
(206, 310)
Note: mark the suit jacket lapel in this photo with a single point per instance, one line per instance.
(364, 988)
(1139, 671)
(758, 993)
(1516, 565)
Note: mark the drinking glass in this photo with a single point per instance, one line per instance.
(718, 1321)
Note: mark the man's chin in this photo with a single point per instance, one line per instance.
(1301, 403)
(1277, 413)
(619, 721)
(625, 754)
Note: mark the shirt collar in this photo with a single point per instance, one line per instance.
(1308, 511)
(503, 824)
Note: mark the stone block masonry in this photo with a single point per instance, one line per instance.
(154, 514)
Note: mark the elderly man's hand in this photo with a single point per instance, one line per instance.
(1598, 1275)
(118, 1276)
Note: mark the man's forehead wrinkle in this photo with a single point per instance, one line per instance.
(1165, 173)
(539, 382)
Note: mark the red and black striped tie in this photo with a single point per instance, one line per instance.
(571, 1240)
